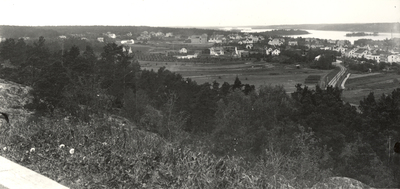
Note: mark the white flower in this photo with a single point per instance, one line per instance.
(5, 148)
(62, 146)
(32, 150)
(104, 143)
(71, 151)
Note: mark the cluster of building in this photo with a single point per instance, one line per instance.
(148, 35)
(249, 44)
(240, 44)
(373, 53)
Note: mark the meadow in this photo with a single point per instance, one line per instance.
(359, 86)
(253, 73)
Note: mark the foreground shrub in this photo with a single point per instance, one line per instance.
(106, 154)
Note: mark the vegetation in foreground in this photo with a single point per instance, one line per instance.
(103, 122)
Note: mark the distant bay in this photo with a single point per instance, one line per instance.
(334, 35)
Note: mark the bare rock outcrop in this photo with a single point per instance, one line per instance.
(340, 183)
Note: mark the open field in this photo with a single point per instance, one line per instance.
(359, 86)
(253, 73)
(143, 48)
(162, 47)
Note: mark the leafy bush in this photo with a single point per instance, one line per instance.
(131, 158)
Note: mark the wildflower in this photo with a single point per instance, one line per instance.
(104, 143)
(71, 151)
(5, 148)
(62, 146)
(32, 150)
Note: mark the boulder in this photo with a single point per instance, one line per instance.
(397, 147)
(340, 183)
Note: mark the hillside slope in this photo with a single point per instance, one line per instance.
(156, 163)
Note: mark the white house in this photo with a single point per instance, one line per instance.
(169, 34)
(159, 34)
(100, 39)
(277, 42)
(276, 52)
(214, 40)
(393, 58)
(292, 43)
(254, 38)
(216, 51)
(373, 57)
(340, 49)
(326, 48)
(131, 41)
(246, 41)
(360, 53)
(183, 51)
(350, 53)
(111, 35)
(129, 51)
(268, 51)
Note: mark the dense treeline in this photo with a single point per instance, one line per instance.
(367, 65)
(314, 129)
(55, 31)
(26, 31)
(366, 27)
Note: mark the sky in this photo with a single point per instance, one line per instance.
(219, 13)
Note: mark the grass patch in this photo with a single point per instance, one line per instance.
(109, 155)
(312, 79)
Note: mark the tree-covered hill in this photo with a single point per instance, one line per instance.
(55, 31)
(138, 128)
(365, 27)
(26, 31)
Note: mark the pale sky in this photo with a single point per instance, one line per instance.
(196, 13)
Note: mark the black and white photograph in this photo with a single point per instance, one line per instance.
(210, 94)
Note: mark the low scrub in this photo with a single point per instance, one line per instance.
(107, 154)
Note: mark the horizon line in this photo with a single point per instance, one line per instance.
(261, 25)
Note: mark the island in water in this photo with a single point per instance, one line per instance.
(357, 34)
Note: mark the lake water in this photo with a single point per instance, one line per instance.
(335, 35)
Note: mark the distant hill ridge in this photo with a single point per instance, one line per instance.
(7, 31)
(366, 27)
